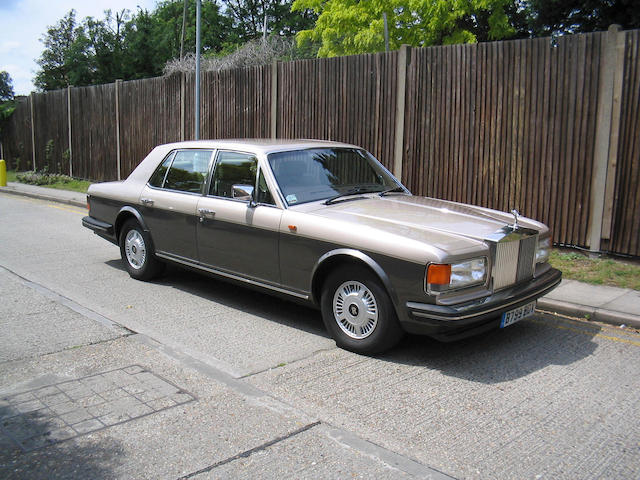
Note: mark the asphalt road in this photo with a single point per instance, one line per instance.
(190, 376)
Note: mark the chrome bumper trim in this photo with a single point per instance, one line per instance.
(547, 282)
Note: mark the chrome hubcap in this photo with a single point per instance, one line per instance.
(355, 309)
(135, 249)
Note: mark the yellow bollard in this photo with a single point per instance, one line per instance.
(3, 173)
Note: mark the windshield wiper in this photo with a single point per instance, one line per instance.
(391, 190)
(353, 191)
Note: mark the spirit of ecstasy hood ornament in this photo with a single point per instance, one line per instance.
(516, 215)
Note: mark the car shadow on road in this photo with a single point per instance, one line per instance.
(496, 356)
(502, 355)
(29, 449)
(240, 297)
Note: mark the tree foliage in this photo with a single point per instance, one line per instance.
(558, 17)
(351, 26)
(249, 15)
(6, 87)
(126, 45)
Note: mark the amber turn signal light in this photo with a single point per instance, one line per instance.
(439, 274)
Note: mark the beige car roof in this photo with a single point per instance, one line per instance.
(259, 145)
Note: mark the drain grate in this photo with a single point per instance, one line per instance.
(55, 413)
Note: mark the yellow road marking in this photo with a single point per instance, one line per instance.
(586, 323)
(590, 333)
(69, 209)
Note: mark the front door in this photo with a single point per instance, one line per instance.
(238, 227)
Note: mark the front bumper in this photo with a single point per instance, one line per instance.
(449, 323)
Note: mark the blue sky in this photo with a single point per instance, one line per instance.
(24, 22)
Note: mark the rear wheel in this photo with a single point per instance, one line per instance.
(358, 312)
(136, 250)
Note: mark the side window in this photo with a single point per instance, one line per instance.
(234, 169)
(264, 195)
(188, 171)
(157, 179)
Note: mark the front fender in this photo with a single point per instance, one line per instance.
(334, 256)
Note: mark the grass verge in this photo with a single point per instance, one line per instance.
(66, 183)
(596, 271)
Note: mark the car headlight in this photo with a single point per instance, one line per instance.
(441, 277)
(543, 250)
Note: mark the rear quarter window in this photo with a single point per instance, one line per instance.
(185, 171)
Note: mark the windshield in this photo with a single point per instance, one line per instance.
(321, 173)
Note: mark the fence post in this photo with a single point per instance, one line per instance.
(612, 160)
(606, 148)
(69, 130)
(400, 105)
(274, 99)
(118, 82)
(33, 133)
(182, 93)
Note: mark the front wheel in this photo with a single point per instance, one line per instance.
(136, 250)
(358, 312)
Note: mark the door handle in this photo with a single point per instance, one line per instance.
(146, 201)
(205, 211)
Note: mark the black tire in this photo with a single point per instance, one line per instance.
(357, 331)
(142, 264)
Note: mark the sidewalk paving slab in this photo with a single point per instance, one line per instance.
(613, 305)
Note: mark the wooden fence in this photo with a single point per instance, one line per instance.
(548, 126)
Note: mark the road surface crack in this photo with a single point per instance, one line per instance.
(248, 453)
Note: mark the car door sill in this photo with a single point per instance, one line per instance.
(257, 283)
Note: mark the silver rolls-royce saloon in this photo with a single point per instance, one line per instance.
(326, 224)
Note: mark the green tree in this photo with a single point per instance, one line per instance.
(347, 27)
(549, 17)
(6, 87)
(249, 15)
(167, 17)
(65, 58)
(106, 40)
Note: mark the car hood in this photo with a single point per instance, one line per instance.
(448, 226)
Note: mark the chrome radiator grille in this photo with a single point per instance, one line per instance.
(513, 262)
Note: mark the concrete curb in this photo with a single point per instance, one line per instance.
(594, 313)
(40, 196)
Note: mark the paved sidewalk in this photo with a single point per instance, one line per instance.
(63, 196)
(617, 306)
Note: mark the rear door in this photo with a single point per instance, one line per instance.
(170, 199)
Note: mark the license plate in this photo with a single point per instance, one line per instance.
(513, 316)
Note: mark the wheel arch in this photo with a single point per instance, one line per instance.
(125, 214)
(345, 256)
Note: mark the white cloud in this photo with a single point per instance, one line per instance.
(24, 22)
(6, 47)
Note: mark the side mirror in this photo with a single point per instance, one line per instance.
(244, 193)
